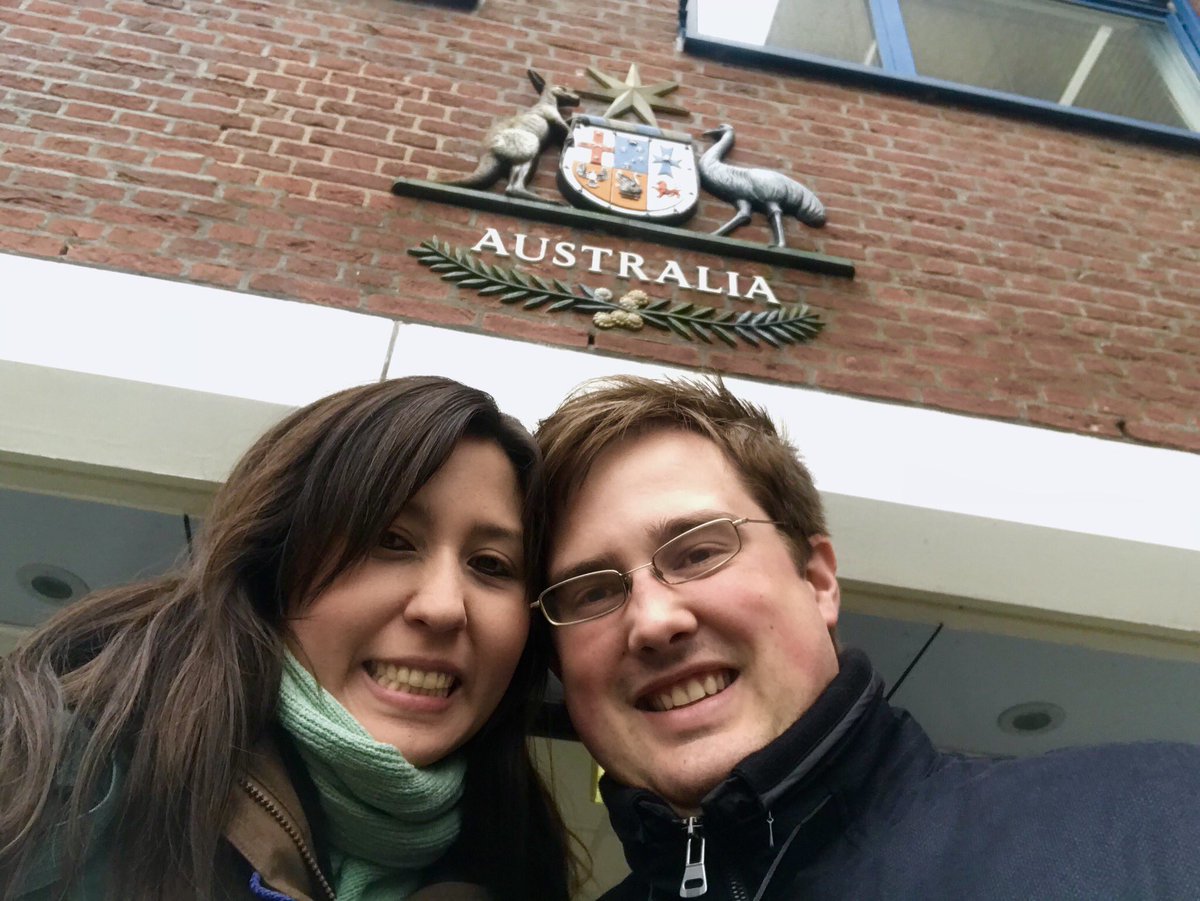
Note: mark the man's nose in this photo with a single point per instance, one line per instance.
(437, 600)
(659, 615)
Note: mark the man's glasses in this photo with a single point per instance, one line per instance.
(694, 554)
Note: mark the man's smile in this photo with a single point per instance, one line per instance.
(685, 691)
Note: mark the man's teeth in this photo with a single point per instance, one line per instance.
(411, 680)
(690, 691)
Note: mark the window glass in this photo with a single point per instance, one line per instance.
(838, 30)
(1057, 52)
(1135, 65)
(1143, 74)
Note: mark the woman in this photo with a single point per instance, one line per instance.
(328, 699)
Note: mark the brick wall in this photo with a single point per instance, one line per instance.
(1005, 269)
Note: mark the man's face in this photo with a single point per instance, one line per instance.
(757, 626)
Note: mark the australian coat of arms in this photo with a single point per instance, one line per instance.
(633, 170)
(629, 169)
(636, 170)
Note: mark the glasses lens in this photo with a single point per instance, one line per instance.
(584, 597)
(698, 551)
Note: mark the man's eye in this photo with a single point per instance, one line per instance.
(699, 554)
(594, 595)
(494, 566)
(691, 557)
(394, 541)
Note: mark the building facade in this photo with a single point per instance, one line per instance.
(989, 352)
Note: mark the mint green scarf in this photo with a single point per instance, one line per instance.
(387, 819)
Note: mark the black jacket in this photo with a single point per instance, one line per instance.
(854, 802)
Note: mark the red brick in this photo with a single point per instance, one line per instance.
(319, 292)
(646, 344)
(1030, 273)
(34, 245)
(554, 330)
(410, 306)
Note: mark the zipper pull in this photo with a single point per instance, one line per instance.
(695, 880)
(771, 828)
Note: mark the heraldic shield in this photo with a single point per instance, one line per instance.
(631, 170)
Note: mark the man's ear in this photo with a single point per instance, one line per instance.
(821, 573)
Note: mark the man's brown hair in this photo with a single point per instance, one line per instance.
(603, 412)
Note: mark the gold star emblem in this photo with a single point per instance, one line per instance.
(631, 94)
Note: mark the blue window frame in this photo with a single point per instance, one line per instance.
(1126, 66)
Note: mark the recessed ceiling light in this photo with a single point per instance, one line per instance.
(46, 582)
(1031, 718)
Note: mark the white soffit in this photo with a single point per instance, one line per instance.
(886, 452)
(959, 464)
(181, 335)
(891, 473)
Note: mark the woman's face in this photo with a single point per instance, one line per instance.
(420, 639)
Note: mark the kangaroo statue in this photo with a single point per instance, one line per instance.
(515, 142)
(765, 190)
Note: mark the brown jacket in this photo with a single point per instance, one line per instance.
(269, 830)
(268, 833)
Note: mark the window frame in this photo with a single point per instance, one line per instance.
(897, 72)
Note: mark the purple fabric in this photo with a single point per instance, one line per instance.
(258, 890)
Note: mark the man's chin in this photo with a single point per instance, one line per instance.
(684, 788)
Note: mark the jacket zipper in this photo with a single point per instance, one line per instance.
(293, 833)
(695, 875)
(695, 878)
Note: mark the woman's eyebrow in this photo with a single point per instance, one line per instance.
(418, 514)
(498, 532)
(413, 510)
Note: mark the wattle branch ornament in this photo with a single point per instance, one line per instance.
(633, 310)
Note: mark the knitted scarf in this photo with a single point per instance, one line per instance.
(387, 819)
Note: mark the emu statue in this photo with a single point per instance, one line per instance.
(764, 190)
(515, 142)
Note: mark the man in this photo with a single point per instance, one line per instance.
(693, 598)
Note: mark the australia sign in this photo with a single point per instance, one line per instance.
(632, 170)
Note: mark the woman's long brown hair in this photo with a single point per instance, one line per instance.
(178, 677)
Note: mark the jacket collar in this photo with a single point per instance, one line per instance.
(801, 789)
(258, 834)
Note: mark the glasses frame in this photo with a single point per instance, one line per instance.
(626, 577)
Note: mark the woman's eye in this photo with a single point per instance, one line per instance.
(394, 541)
(494, 566)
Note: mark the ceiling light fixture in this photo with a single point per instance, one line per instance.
(46, 582)
(1031, 718)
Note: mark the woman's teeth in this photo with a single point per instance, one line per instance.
(690, 691)
(411, 680)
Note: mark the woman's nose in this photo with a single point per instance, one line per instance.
(438, 600)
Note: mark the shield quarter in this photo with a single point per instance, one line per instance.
(631, 170)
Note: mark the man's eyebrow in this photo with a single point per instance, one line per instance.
(582, 568)
(658, 533)
(670, 527)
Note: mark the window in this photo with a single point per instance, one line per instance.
(1117, 61)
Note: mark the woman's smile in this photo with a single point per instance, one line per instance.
(412, 680)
